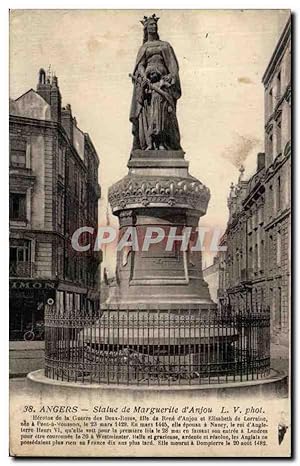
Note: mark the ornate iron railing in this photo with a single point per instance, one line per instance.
(156, 347)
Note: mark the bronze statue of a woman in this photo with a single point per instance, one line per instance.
(156, 90)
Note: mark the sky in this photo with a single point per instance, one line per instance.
(222, 56)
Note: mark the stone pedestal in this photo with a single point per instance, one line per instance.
(159, 192)
(151, 321)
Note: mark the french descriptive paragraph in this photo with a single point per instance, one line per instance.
(139, 426)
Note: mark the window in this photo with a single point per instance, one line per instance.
(278, 316)
(250, 262)
(82, 190)
(278, 249)
(18, 153)
(67, 172)
(60, 162)
(76, 183)
(70, 173)
(278, 85)
(270, 255)
(19, 258)
(278, 194)
(262, 299)
(262, 255)
(278, 135)
(271, 201)
(270, 144)
(254, 299)
(255, 258)
(60, 260)
(270, 101)
(60, 209)
(237, 265)
(17, 206)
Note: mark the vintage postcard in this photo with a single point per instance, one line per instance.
(150, 233)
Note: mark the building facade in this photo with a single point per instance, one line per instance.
(277, 85)
(255, 270)
(54, 190)
(211, 276)
(242, 274)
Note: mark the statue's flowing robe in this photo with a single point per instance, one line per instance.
(138, 115)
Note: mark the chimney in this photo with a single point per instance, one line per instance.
(55, 101)
(261, 159)
(67, 121)
(50, 93)
(44, 87)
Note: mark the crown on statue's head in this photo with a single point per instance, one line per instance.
(149, 18)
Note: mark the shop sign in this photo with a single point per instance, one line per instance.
(32, 285)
